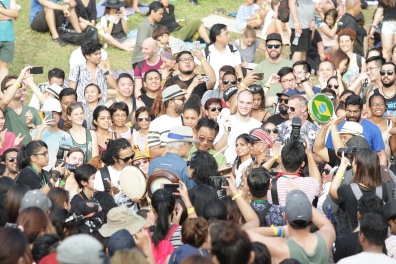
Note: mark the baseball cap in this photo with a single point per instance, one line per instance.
(389, 210)
(274, 36)
(229, 93)
(358, 142)
(260, 135)
(298, 207)
(287, 92)
(121, 239)
(80, 249)
(183, 252)
(353, 128)
(88, 215)
(54, 89)
(52, 104)
(179, 134)
(36, 198)
(122, 218)
(171, 92)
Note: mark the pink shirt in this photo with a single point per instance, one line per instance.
(8, 142)
(139, 73)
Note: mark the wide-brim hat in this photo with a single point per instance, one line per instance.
(179, 134)
(122, 218)
(113, 4)
(172, 92)
(352, 128)
(138, 154)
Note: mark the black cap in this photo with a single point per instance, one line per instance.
(229, 93)
(358, 142)
(274, 36)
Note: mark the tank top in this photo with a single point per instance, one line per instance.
(86, 147)
(102, 149)
(297, 252)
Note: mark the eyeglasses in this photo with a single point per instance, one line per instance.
(289, 80)
(147, 118)
(333, 85)
(371, 68)
(181, 99)
(326, 171)
(274, 130)
(389, 73)
(11, 159)
(292, 109)
(184, 60)
(203, 139)
(378, 105)
(298, 71)
(11, 84)
(125, 160)
(280, 100)
(120, 116)
(45, 154)
(233, 82)
(214, 109)
(139, 162)
(276, 46)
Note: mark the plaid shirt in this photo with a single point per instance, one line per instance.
(274, 215)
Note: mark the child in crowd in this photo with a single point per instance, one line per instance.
(84, 176)
(92, 95)
(273, 25)
(328, 30)
(165, 40)
(249, 15)
(247, 46)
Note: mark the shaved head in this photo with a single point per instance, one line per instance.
(150, 42)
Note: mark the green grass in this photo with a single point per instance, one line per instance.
(37, 49)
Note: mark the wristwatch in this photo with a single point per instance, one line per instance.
(303, 80)
(107, 72)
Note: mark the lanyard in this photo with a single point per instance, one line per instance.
(41, 177)
(260, 201)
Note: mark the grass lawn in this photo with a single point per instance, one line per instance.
(37, 49)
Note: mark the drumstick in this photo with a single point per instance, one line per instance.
(220, 151)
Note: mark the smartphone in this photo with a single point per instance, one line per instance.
(118, 12)
(107, 187)
(48, 116)
(218, 181)
(37, 70)
(197, 45)
(173, 187)
(205, 78)
(260, 76)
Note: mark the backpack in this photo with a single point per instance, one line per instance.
(207, 52)
(263, 214)
(284, 11)
(105, 174)
(165, 247)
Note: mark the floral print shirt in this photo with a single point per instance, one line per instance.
(310, 130)
(274, 215)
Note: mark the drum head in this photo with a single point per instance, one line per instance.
(320, 108)
(158, 177)
(133, 182)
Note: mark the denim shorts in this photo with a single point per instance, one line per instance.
(7, 51)
(388, 28)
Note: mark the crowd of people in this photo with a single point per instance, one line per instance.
(257, 175)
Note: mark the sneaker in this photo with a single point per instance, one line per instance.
(59, 42)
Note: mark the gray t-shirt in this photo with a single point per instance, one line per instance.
(145, 30)
(305, 13)
(247, 54)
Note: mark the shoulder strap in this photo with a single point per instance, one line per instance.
(359, 61)
(171, 231)
(356, 190)
(140, 66)
(232, 48)
(133, 104)
(105, 174)
(207, 52)
(385, 175)
(274, 192)
(378, 191)
(262, 215)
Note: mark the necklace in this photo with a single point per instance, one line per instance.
(382, 88)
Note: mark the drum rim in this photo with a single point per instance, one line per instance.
(310, 103)
(141, 173)
(161, 173)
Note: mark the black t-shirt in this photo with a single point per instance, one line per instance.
(313, 51)
(390, 102)
(348, 21)
(276, 119)
(389, 13)
(333, 159)
(147, 100)
(30, 178)
(169, 20)
(200, 89)
(76, 199)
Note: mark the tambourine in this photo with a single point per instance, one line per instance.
(133, 182)
(158, 177)
(320, 109)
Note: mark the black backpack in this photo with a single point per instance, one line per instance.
(284, 11)
(207, 52)
(263, 214)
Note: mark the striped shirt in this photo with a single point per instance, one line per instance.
(175, 239)
(177, 45)
(161, 126)
(308, 185)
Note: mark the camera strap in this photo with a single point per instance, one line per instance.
(105, 174)
(274, 192)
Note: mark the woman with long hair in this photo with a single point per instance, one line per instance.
(367, 177)
(192, 111)
(7, 138)
(74, 156)
(201, 166)
(82, 138)
(151, 86)
(92, 95)
(13, 202)
(60, 198)
(328, 30)
(243, 159)
(341, 62)
(143, 117)
(14, 247)
(32, 158)
(102, 122)
(258, 111)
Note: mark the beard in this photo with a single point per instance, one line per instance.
(352, 119)
(283, 110)
(387, 85)
(179, 109)
(187, 72)
(274, 55)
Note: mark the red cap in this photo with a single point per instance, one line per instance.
(260, 135)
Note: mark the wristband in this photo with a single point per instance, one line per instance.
(17, 85)
(1, 146)
(236, 196)
(335, 132)
(296, 24)
(322, 55)
(341, 176)
(62, 183)
(244, 86)
(258, 17)
(275, 230)
(280, 231)
(276, 157)
(202, 61)
(190, 210)
(319, 9)
(163, 82)
(111, 24)
(1, 9)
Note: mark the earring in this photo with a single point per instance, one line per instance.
(262, 151)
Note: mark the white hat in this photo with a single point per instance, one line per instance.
(353, 128)
(179, 134)
(171, 92)
(54, 89)
(51, 104)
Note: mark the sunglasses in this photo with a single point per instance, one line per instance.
(125, 160)
(255, 88)
(389, 73)
(139, 162)
(292, 109)
(233, 82)
(147, 118)
(11, 159)
(213, 109)
(276, 46)
(326, 171)
(331, 86)
(280, 100)
(274, 130)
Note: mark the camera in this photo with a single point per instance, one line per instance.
(295, 132)
(61, 154)
(349, 152)
(71, 167)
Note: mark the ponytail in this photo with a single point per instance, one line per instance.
(163, 202)
(23, 159)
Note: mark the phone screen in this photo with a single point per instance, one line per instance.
(48, 116)
(173, 187)
(37, 70)
(260, 76)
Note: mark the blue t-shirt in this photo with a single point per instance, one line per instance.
(175, 163)
(371, 133)
(244, 12)
(36, 7)
(6, 26)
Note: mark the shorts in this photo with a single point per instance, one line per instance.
(388, 28)
(304, 43)
(241, 26)
(187, 31)
(121, 40)
(7, 51)
(39, 23)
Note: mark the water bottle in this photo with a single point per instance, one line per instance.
(296, 39)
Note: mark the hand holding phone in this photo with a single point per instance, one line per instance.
(37, 70)
(260, 76)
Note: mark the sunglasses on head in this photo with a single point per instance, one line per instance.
(331, 86)
(213, 109)
(233, 82)
(125, 160)
(255, 88)
(276, 46)
(280, 100)
(147, 118)
(389, 73)
(274, 130)
(139, 162)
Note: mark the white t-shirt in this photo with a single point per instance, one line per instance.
(267, 21)
(367, 258)
(161, 126)
(237, 128)
(77, 58)
(105, 18)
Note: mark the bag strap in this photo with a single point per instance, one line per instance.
(274, 192)
(378, 191)
(105, 174)
(359, 61)
(86, 141)
(356, 190)
(264, 213)
(171, 231)
(385, 175)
